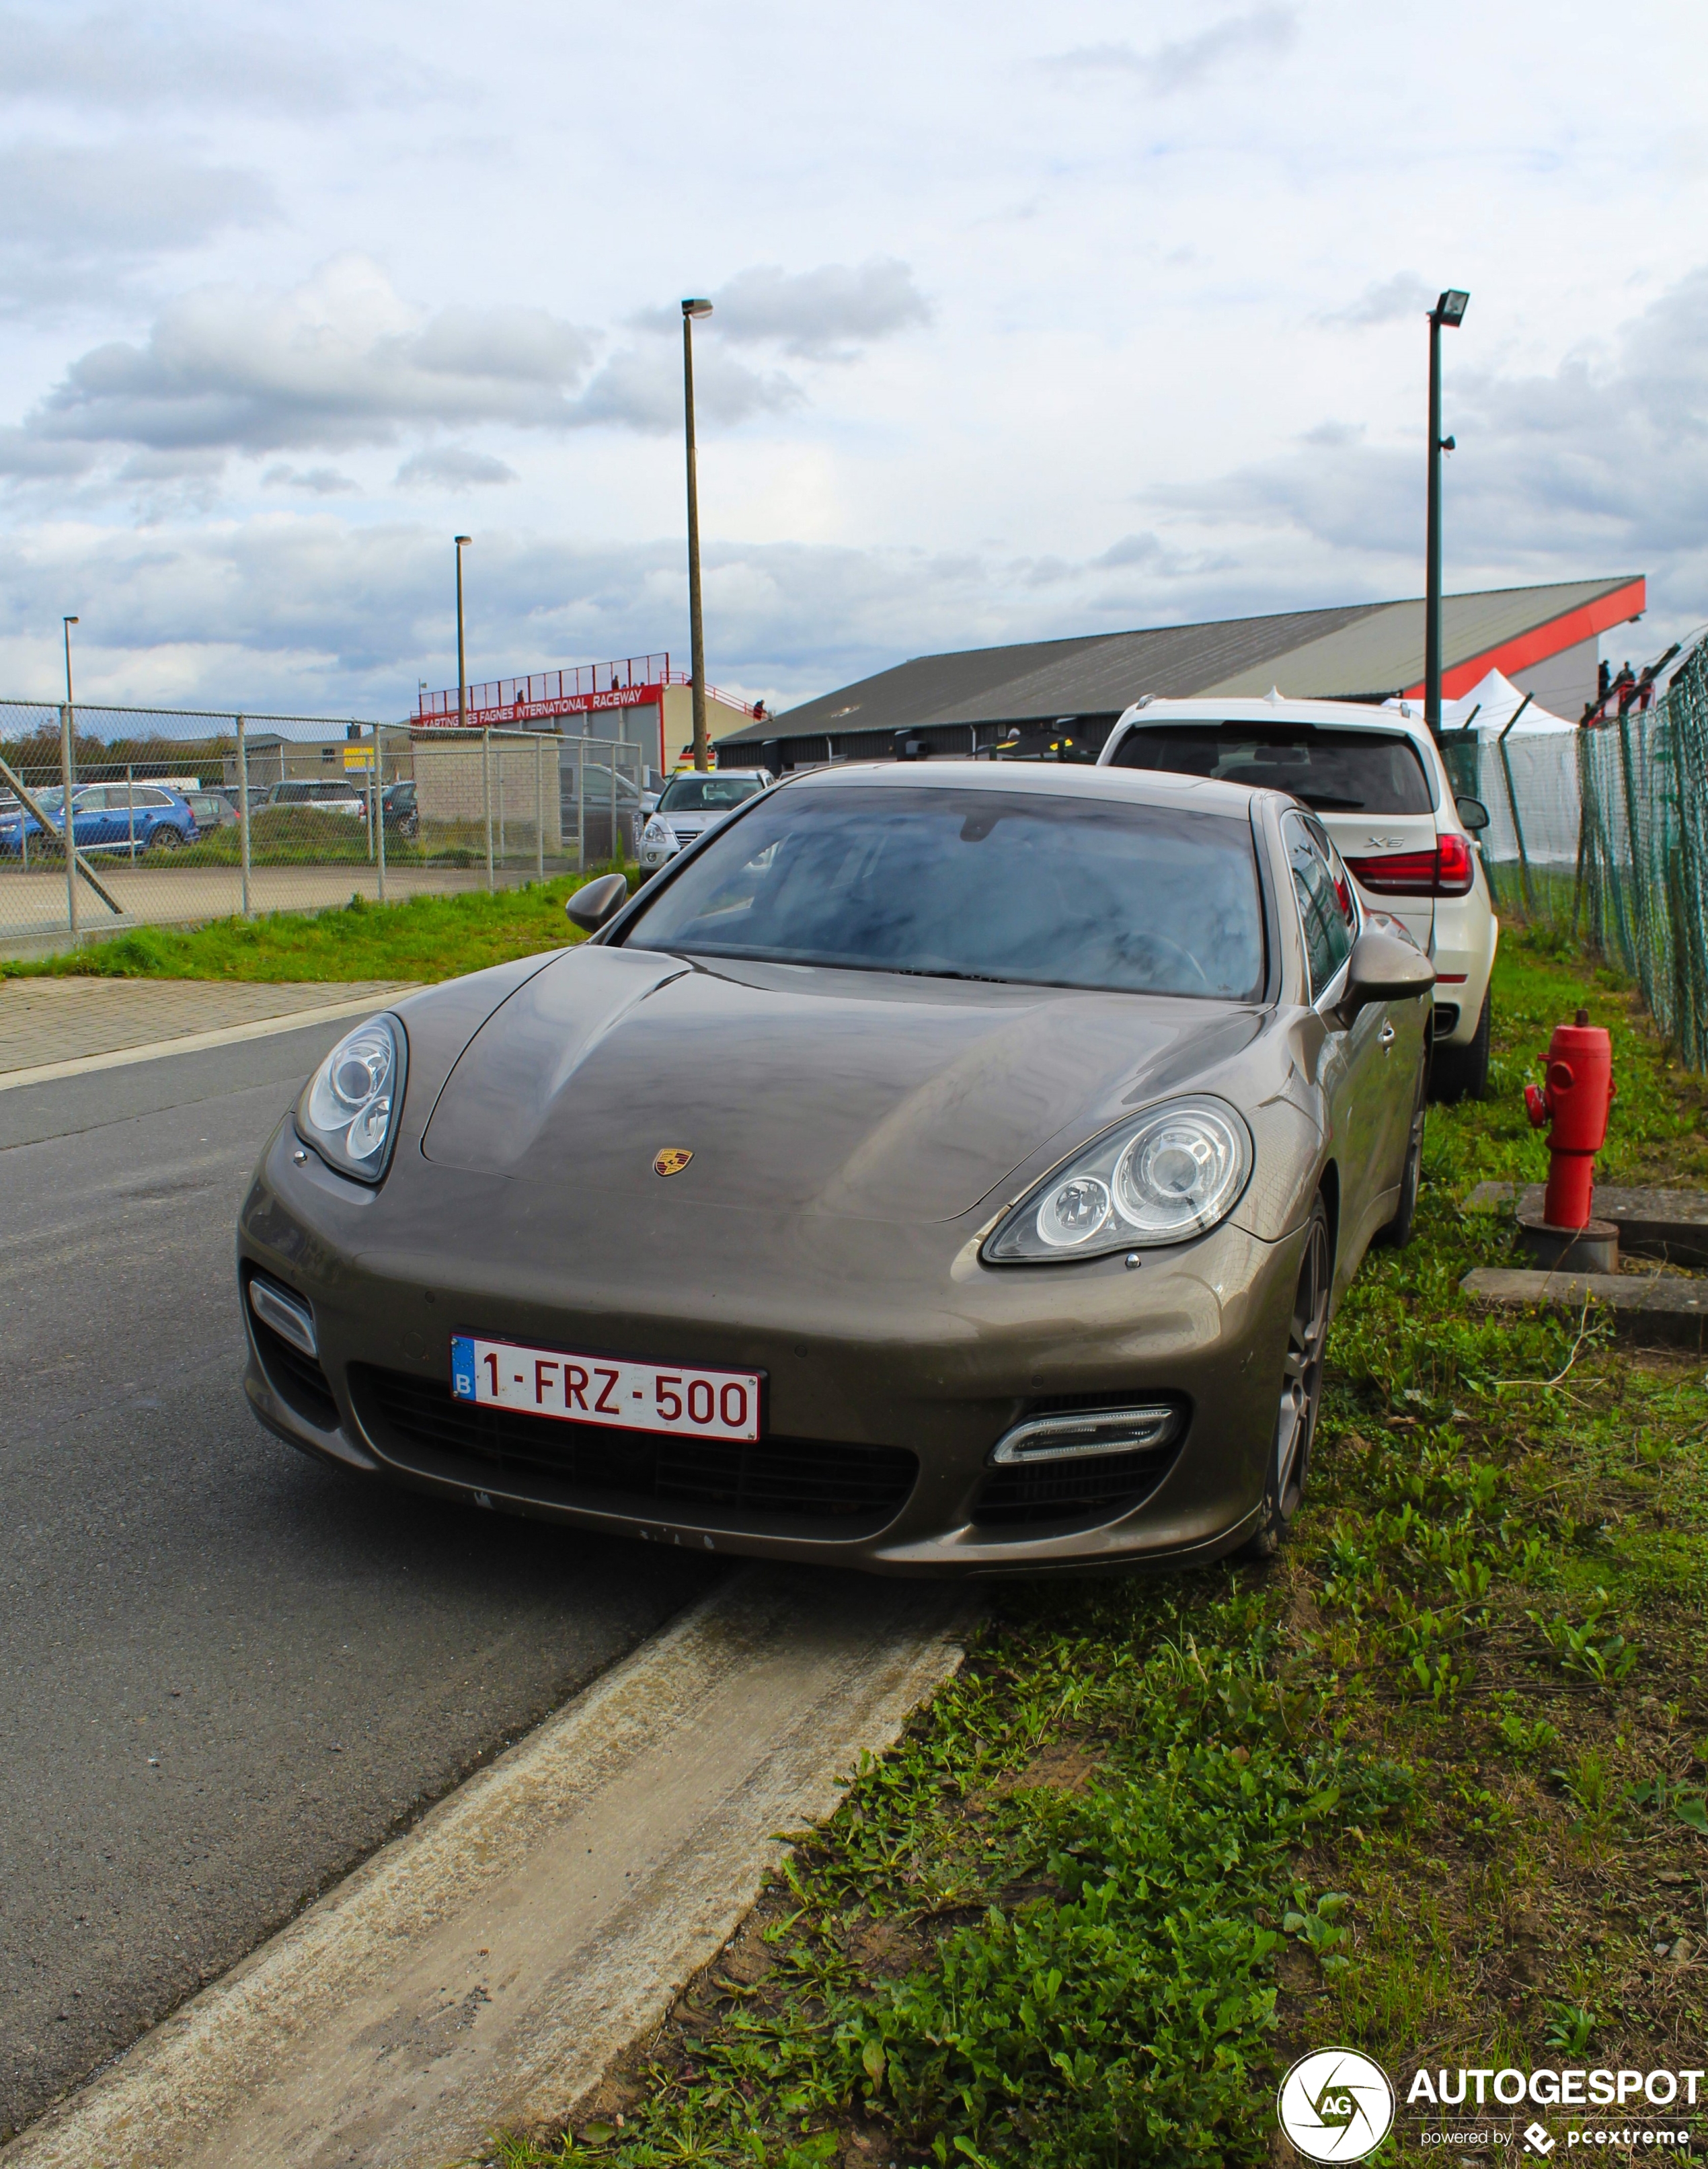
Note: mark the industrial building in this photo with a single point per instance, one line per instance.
(1546, 639)
(640, 701)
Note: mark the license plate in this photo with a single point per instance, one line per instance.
(603, 1389)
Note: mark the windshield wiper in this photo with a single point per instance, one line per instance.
(1328, 798)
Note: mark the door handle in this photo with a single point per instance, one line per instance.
(1384, 1037)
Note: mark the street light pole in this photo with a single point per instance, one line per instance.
(696, 636)
(67, 765)
(463, 542)
(1449, 309)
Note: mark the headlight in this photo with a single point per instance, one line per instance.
(656, 832)
(349, 1112)
(1167, 1176)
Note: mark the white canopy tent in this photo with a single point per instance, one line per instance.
(1493, 703)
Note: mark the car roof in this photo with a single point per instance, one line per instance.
(1145, 786)
(1338, 715)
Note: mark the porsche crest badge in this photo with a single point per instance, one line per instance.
(671, 1160)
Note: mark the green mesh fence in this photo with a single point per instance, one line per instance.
(1644, 851)
(1602, 834)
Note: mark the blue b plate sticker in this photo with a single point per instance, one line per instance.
(462, 1367)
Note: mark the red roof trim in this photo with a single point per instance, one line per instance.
(1542, 640)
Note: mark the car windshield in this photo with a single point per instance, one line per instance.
(706, 794)
(968, 884)
(1336, 771)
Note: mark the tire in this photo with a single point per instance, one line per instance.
(1398, 1232)
(1461, 1073)
(1301, 1392)
(165, 838)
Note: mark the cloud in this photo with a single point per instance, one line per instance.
(451, 468)
(320, 481)
(77, 217)
(1386, 301)
(339, 361)
(343, 361)
(125, 58)
(1184, 63)
(824, 315)
(1599, 465)
(643, 390)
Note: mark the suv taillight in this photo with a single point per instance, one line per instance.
(1444, 871)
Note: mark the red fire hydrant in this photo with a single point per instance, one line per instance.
(1576, 1096)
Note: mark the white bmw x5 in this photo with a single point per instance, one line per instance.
(1374, 779)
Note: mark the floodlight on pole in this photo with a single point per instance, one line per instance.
(1449, 310)
(696, 636)
(463, 542)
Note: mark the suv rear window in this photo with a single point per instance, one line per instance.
(1335, 771)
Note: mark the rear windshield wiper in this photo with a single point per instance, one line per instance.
(1328, 798)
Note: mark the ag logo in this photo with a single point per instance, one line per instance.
(1335, 2105)
(671, 1160)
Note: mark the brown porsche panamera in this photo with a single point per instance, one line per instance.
(938, 1168)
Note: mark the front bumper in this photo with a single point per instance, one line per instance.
(894, 1362)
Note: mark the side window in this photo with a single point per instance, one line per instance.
(144, 796)
(1328, 932)
(1345, 895)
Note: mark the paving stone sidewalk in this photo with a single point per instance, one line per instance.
(44, 1020)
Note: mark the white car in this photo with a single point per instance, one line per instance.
(690, 804)
(1375, 780)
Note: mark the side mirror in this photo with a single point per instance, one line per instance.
(598, 904)
(1474, 815)
(1383, 967)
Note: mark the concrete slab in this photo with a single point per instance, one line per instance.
(1672, 1224)
(58, 1027)
(1653, 1308)
(485, 1970)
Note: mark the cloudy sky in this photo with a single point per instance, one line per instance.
(1029, 321)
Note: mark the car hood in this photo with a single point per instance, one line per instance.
(859, 1094)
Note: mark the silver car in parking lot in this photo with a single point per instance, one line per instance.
(691, 804)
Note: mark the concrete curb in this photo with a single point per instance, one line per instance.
(487, 1968)
(195, 1042)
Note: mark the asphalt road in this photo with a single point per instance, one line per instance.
(225, 1672)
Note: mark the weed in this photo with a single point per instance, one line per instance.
(1570, 2028)
(1606, 1659)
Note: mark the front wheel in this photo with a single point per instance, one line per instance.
(1301, 1392)
(1461, 1073)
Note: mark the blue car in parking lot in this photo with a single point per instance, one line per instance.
(105, 817)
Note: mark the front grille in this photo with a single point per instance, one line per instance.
(1092, 1487)
(297, 1379)
(415, 1422)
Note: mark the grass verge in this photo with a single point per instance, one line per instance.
(1434, 1782)
(427, 938)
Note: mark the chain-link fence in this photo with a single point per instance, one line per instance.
(1602, 832)
(179, 818)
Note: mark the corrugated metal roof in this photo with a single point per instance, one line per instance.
(1383, 649)
(1357, 647)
